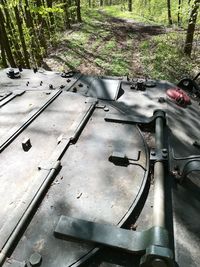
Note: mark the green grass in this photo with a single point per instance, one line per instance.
(156, 13)
(119, 12)
(163, 58)
(95, 44)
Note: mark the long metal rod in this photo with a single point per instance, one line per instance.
(12, 96)
(159, 176)
(29, 121)
(24, 219)
(5, 96)
(83, 122)
(40, 193)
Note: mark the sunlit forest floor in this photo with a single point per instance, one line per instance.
(106, 44)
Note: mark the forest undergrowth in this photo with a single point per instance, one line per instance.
(106, 43)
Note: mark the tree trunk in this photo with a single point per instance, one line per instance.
(21, 34)
(179, 11)
(90, 4)
(42, 25)
(130, 5)
(191, 28)
(169, 12)
(12, 35)
(66, 11)
(35, 49)
(78, 10)
(101, 2)
(52, 22)
(5, 42)
(3, 55)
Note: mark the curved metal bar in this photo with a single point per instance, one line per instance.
(193, 165)
(109, 235)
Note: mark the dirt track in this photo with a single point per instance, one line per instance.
(119, 29)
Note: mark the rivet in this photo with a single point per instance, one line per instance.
(35, 259)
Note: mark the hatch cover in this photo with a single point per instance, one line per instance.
(102, 88)
(89, 185)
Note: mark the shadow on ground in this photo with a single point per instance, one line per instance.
(92, 56)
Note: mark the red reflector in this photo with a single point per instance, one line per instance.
(178, 96)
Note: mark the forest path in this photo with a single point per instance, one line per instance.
(102, 45)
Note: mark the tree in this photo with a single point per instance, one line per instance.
(179, 10)
(130, 5)
(78, 10)
(3, 55)
(21, 34)
(5, 41)
(50, 5)
(169, 12)
(11, 32)
(191, 28)
(35, 51)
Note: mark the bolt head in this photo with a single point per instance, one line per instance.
(159, 263)
(106, 109)
(35, 259)
(153, 153)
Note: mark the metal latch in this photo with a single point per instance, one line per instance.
(121, 159)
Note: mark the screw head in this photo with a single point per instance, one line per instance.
(159, 263)
(35, 259)
(153, 153)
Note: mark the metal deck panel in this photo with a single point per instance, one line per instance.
(20, 177)
(185, 196)
(88, 186)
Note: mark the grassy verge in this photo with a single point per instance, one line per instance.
(120, 11)
(93, 44)
(154, 13)
(163, 58)
(100, 46)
